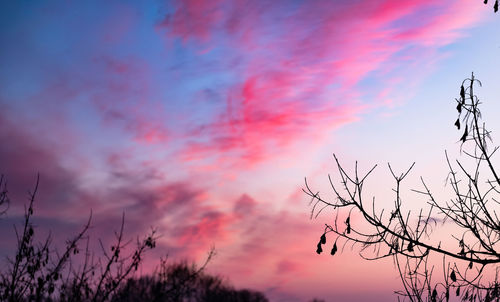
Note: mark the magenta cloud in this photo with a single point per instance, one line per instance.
(304, 73)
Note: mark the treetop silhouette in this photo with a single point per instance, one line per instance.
(409, 237)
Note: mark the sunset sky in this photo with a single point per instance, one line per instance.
(202, 118)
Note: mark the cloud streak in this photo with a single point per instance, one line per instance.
(304, 74)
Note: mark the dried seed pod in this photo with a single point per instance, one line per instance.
(334, 249)
(459, 107)
(323, 239)
(410, 247)
(464, 137)
(458, 291)
(319, 249)
(462, 93)
(453, 276)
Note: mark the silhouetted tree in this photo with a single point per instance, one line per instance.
(182, 282)
(469, 268)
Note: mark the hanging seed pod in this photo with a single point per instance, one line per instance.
(459, 107)
(485, 1)
(470, 265)
(348, 223)
(458, 291)
(495, 7)
(410, 247)
(453, 276)
(462, 93)
(319, 249)
(464, 137)
(322, 239)
(334, 249)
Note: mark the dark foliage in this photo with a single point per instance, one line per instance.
(183, 282)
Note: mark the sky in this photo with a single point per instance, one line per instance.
(202, 118)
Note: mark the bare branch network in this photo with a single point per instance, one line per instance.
(409, 238)
(39, 273)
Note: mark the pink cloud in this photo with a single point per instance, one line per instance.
(208, 228)
(25, 154)
(244, 206)
(122, 94)
(286, 266)
(439, 31)
(285, 92)
(257, 245)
